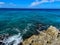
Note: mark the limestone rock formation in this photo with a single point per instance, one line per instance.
(51, 36)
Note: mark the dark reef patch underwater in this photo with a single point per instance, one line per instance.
(21, 24)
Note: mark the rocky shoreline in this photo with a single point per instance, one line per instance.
(2, 37)
(51, 36)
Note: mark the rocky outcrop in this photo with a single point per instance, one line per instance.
(2, 37)
(51, 36)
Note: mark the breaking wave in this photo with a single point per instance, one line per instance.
(17, 38)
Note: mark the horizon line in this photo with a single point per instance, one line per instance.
(31, 8)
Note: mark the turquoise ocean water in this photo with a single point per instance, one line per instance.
(26, 22)
(11, 19)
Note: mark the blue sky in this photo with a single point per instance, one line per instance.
(30, 4)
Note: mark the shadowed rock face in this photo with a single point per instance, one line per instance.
(51, 36)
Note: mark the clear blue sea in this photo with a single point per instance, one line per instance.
(26, 21)
(10, 19)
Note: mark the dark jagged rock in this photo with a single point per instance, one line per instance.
(2, 37)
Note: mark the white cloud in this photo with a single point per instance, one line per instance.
(12, 4)
(37, 2)
(7, 4)
(1, 3)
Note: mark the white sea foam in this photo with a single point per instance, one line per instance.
(16, 39)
